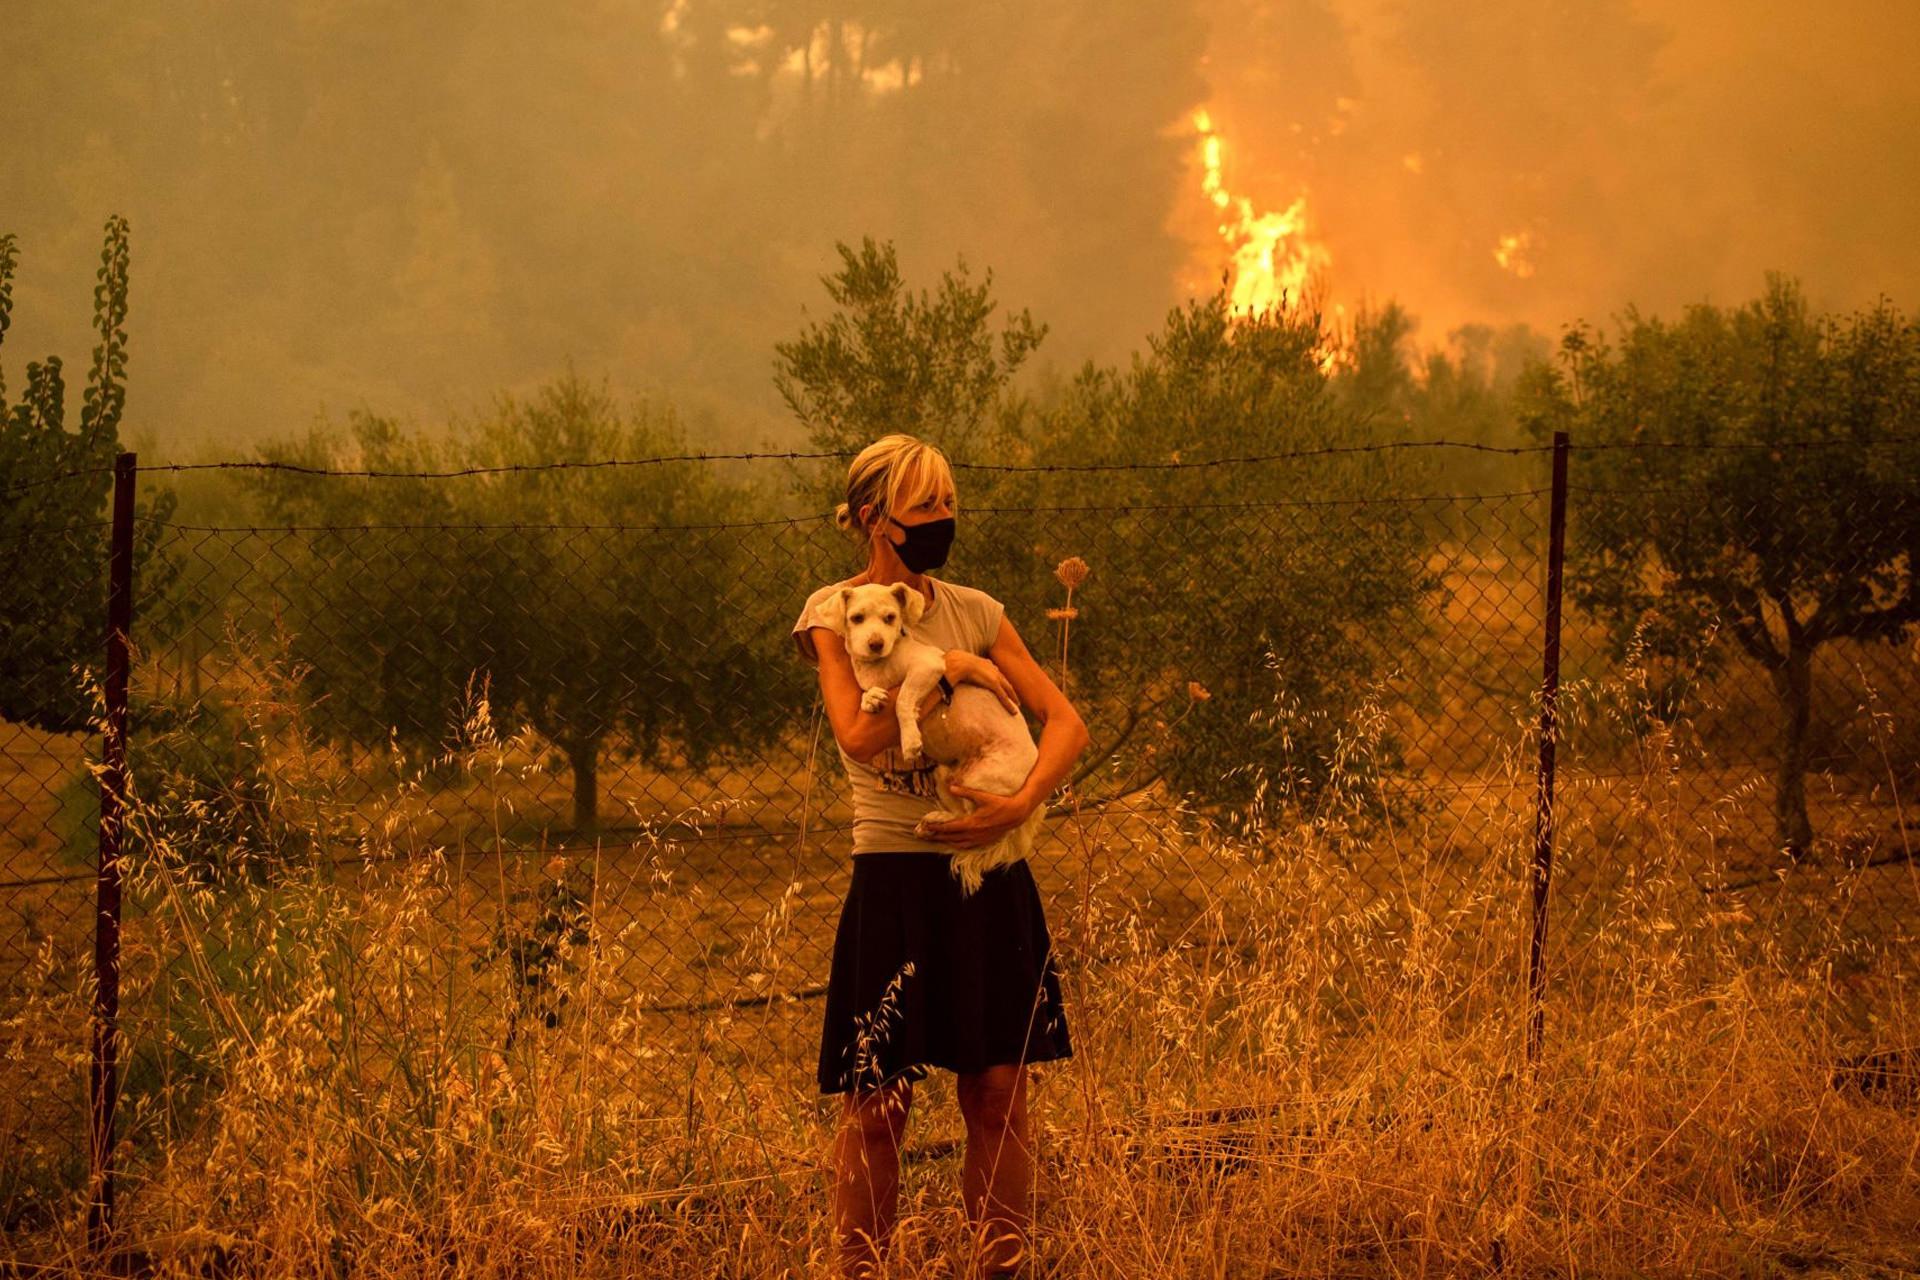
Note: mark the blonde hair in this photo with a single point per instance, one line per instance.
(892, 473)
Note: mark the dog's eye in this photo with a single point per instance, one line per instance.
(858, 616)
(888, 618)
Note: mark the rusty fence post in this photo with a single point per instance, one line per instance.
(113, 793)
(1549, 733)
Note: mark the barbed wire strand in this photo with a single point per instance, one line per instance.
(1170, 464)
(30, 532)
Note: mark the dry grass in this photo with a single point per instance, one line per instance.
(1303, 1055)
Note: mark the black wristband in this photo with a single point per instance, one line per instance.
(946, 688)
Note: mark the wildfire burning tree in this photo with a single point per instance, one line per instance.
(1273, 259)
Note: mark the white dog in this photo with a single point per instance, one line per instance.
(978, 743)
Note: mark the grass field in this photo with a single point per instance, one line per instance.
(1297, 1055)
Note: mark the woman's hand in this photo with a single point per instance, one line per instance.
(964, 667)
(993, 816)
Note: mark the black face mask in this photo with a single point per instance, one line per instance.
(926, 545)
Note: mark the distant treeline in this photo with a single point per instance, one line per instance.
(642, 611)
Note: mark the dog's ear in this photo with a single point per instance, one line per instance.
(912, 603)
(832, 611)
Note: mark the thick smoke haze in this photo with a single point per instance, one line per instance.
(1659, 154)
(366, 203)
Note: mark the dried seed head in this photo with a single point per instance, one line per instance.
(1197, 691)
(556, 867)
(1072, 572)
(1068, 612)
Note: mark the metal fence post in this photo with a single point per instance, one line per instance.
(1549, 731)
(113, 785)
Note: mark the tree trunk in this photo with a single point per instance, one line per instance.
(1793, 681)
(584, 756)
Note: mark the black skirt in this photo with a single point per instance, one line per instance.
(925, 977)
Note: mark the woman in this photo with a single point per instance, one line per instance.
(921, 976)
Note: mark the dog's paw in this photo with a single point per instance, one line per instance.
(924, 827)
(911, 756)
(873, 700)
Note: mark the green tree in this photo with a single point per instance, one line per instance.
(1465, 392)
(889, 359)
(1374, 381)
(1765, 546)
(56, 484)
(380, 623)
(614, 610)
(642, 638)
(1238, 615)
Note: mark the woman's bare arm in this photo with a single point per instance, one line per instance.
(1063, 734)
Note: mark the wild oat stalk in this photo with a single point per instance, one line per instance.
(1071, 573)
(1316, 1069)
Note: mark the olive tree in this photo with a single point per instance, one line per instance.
(888, 358)
(1239, 615)
(610, 609)
(1796, 523)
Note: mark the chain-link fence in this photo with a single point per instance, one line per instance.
(524, 748)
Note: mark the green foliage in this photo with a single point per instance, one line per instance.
(1461, 391)
(379, 602)
(892, 360)
(57, 484)
(207, 803)
(1466, 393)
(1746, 534)
(1766, 548)
(1374, 381)
(540, 950)
(1278, 596)
(595, 605)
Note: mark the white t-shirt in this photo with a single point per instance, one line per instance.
(889, 800)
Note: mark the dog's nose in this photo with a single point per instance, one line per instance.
(874, 645)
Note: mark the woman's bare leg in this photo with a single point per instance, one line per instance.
(997, 1181)
(866, 1173)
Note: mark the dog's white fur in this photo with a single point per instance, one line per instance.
(978, 742)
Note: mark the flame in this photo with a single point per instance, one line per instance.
(1512, 251)
(1272, 255)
